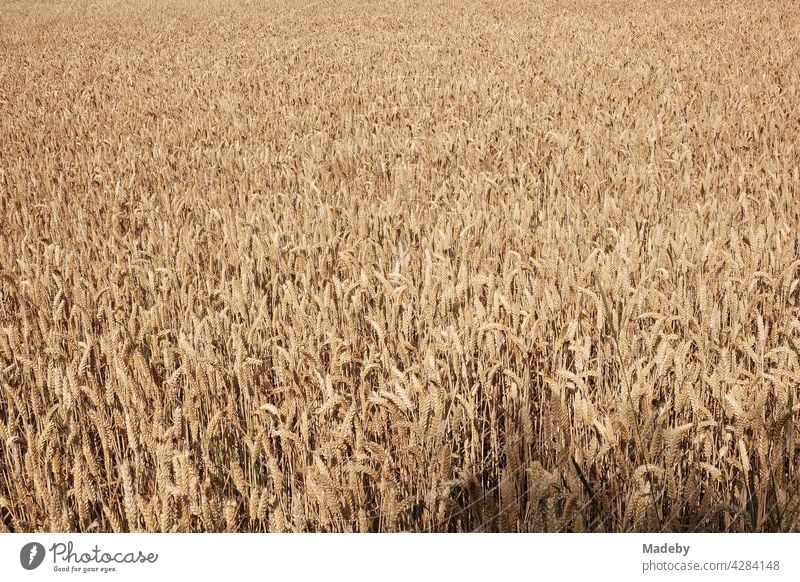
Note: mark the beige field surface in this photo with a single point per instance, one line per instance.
(399, 266)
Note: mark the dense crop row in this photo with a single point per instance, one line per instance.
(380, 266)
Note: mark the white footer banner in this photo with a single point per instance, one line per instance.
(389, 557)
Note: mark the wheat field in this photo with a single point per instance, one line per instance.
(372, 266)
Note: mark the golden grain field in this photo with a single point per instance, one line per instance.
(399, 266)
